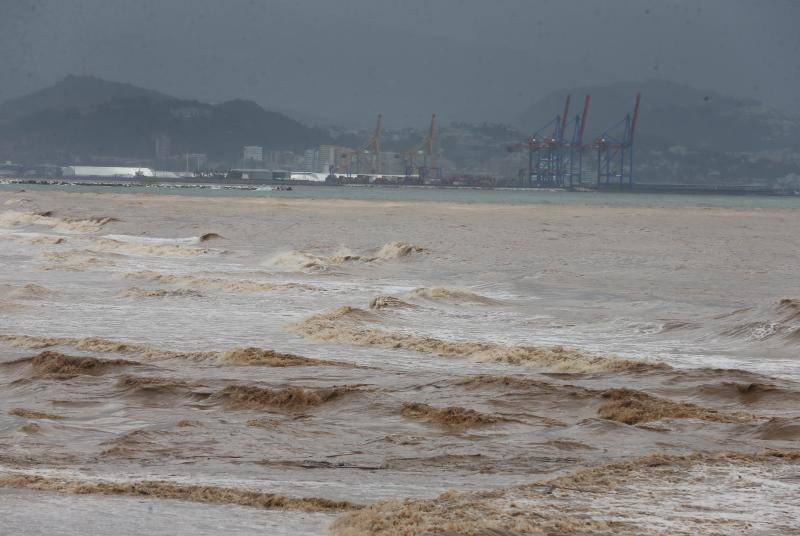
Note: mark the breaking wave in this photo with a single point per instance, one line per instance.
(109, 245)
(137, 442)
(156, 241)
(345, 325)
(92, 224)
(157, 391)
(301, 260)
(210, 236)
(633, 407)
(72, 261)
(96, 344)
(450, 417)
(627, 406)
(55, 365)
(136, 292)
(263, 423)
(150, 383)
(790, 307)
(269, 358)
(528, 384)
(450, 294)
(782, 321)
(227, 285)
(245, 397)
(236, 356)
(306, 261)
(33, 239)
(397, 250)
(181, 492)
(388, 302)
(753, 331)
(617, 498)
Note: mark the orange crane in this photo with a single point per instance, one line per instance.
(371, 146)
(375, 144)
(430, 144)
(427, 148)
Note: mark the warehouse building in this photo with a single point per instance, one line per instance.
(107, 172)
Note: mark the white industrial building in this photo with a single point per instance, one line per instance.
(107, 172)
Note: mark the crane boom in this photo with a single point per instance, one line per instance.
(564, 119)
(584, 115)
(635, 116)
(430, 143)
(375, 144)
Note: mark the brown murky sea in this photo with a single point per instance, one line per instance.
(208, 365)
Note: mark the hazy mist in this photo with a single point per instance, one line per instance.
(345, 61)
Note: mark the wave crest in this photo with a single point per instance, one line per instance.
(236, 356)
(245, 397)
(181, 492)
(781, 321)
(148, 382)
(626, 498)
(227, 285)
(634, 407)
(74, 261)
(97, 344)
(33, 239)
(388, 302)
(269, 358)
(136, 292)
(48, 219)
(109, 245)
(450, 294)
(55, 365)
(306, 261)
(345, 325)
(450, 417)
(210, 236)
(398, 250)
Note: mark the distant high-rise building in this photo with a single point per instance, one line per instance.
(280, 159)
(163, 147)
(311, 160)
(253, 155)
(326, 159)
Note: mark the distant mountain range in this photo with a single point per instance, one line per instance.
(84, 117)
(74, 92)
(674, 115)
(684, 134)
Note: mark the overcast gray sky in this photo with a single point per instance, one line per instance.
(347, 60)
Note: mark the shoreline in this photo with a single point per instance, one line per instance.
(256, 184)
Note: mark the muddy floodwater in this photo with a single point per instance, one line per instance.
(264, 365)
